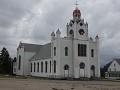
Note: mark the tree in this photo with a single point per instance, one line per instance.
(5, 61)
(104, 69)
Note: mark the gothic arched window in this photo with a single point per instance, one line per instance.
(54, 66)
(54, 51)
(50, 66)
(34, 66)
(37, 66)
(92, 53)
(19, 64)
(66, 51)
(31, 67)
(46, 66)
(41, 67)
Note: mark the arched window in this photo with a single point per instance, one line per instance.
(82, 65)
(92, 67)
(19, 64)
(46, 66)
(82, 49)
(41, 67)
(37, 66)
(92, 53)
(34, 66)
(66, 51)
(50, 66)
(71, 33)
(54, 51)
(93, 70)
(31, 67)
(78, 49)
(54, 66)
(66, 67)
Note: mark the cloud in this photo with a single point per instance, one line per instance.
(32, 21)
(12, 12)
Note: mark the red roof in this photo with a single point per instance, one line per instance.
(76, 11)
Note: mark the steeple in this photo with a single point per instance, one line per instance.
(76, 13)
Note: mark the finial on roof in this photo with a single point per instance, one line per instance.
(97, 37)
(58, 31)
(53, 34)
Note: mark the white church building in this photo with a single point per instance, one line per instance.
(75, 55)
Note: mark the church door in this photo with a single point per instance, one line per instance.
(93, 70)
(66, 71)
(82, 70)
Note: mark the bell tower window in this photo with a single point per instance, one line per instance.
(71, 33)
(81, 24)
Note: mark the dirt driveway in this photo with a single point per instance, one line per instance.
(35, 84)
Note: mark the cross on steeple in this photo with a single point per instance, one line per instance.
(76, 4)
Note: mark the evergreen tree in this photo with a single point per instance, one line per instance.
(5, 61)
(104, 69)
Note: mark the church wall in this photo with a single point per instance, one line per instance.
(56, 43)
(94, 60)
(65, 42)
(28, 56)
(79, 59)
(41, 74)
(21, 53)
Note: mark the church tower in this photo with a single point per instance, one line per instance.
(77, 29)
(82, 47)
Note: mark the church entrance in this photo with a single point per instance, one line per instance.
(93, 71)
(66, 70)
(82, 70)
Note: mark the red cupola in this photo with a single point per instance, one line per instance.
(76, 11)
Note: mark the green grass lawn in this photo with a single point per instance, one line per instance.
(12, 76)
(42, 78)
(22, 77)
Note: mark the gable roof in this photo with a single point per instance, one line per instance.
(44, 52)
(118, 61)
(31, 47)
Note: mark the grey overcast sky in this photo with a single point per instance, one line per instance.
(32, 21)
